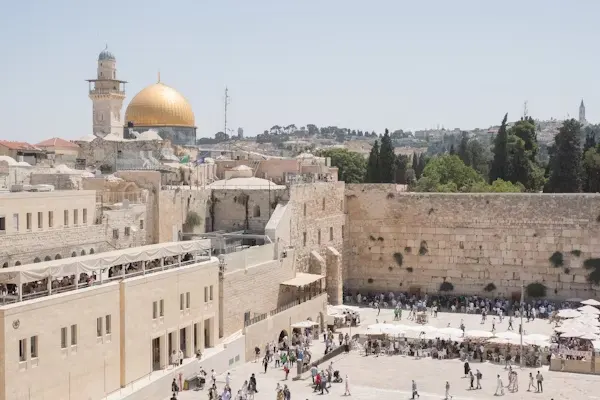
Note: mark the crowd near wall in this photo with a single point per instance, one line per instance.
(415, 241)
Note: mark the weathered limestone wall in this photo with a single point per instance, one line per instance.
(470, 240)
(174, 206)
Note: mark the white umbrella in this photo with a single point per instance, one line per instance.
(587, 319)
(571, 334)
(589, 336)
(478, 334)
(568, 313)
(589, 310)
(507, 335)
(591, 302)
(497, 340)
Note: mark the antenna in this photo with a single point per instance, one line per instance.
(227, 101)
(525, 110)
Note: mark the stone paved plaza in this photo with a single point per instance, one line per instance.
(390, 376)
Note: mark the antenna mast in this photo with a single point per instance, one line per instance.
(525, 110)
(227, 101)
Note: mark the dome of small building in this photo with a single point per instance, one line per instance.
(106, 55)
(250, 183)
(9, 160)
(241, 168)
(159, 105)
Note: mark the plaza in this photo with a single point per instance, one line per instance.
(390, 376)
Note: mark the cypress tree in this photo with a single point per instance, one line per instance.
(499, 166)
(387, 159)
(373, 175)
(565, 164)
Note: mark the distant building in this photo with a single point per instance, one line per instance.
(582, 119)
(240, 133)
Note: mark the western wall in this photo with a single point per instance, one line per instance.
(415, 241)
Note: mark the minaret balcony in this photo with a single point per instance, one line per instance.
(107, 91)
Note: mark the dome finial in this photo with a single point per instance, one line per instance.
(158, 76)
(105, 46)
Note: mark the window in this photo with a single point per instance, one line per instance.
(50, 219)
(66, 218)
(162, 308)
(84, 216)
(154, 310)
(3, 224)
(319, 237)
(99, 326)
(141, 224)
(33, 341)
(73, 335)
(342, 231)
(40, 220)
(341, 205)
(75, 217)
(181, 301)
(211, 292)
(108, 324)
(127, 231)
(28, 221)
(187, 300)
(115, 233)
(16, 222)
(63, 338)
(305, 209)
(205, 294)
(331, 233)
(304, 238)
(23, 350)
(256, 212)
(323, 203)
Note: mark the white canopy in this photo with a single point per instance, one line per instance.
(94, 262)
(507, 335)
(568, 313)
(304, 324)
(591, 302)
(589, 310)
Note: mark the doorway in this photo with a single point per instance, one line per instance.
(171, 344)
(207, 334)
(156, 354)
(182, 341)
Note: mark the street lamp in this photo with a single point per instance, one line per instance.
(521, 323)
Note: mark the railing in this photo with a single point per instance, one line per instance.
(280, 309)
(137, 197)
(107, 91)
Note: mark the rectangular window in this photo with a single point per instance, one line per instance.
(341, 205)
(154, 309)
(319, 237)
(66, 218)
(141, 224)
(16, 222)
(211, 292)
(331, 233)
(187, 300)
(23, 350)
(181, 301)
(63, 338)
(40, 220)
(99, 326)
(342, 231)
(84, 215)
(162, 308)
(108, 325)
(205, 294)
(127, 231)
(323, 203)
(34, 346)
(3, 224)
(305, 209)
(304, 239)
(73, 335)
(115, 233)
(50, 219)
(28, 221)
(75, 217)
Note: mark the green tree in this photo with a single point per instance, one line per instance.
(352, 166)
(415, 163)
(387, 159)
(421, 165)
(478, 157)
(447, 173)
(401, 169)
(498, 186)
(499, 166)
(589, 170)
(522, 151)
(565, 162)
(463, 149)
(452, 151)
(373, 175)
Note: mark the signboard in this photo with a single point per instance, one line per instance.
(575, 353)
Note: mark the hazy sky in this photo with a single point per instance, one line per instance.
(352, 63)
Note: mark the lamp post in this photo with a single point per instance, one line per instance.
(521, 323)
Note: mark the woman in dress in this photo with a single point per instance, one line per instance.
(347, 392)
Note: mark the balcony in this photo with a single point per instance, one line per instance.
(107, 91)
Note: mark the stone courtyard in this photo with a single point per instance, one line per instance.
(390, 376)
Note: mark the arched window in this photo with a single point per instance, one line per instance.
(83, 252)
(48, 258)
(17, 263)
(57, 257)
(73, 254)
(92, 251)
(5, 265)
(36, 260)
(256, 212)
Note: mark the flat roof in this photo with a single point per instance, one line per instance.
(302, 279)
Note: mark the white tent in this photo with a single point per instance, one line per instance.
(589, 310)
(591, 302)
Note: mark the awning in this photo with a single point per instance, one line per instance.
(94, 262)
(303, 279)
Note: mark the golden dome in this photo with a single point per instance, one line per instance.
(159, 105)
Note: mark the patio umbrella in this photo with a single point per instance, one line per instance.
(568, 313)
(591, 302)
(589, 310)
(513, 341)
(571, 334)
(589, 336)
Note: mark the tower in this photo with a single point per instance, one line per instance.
(107, 94)
(582, 120)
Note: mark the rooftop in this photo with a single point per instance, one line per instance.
(245, 183)
(57, 142)
(19, 145)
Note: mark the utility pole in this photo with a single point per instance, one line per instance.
(227, 101)
(521, 323)
(525, 110)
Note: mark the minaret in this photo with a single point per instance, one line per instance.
(582, 120)
(107, 94)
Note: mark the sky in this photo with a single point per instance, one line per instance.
(366, 65)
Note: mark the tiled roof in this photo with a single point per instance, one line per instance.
(57, 142)
(18, 145)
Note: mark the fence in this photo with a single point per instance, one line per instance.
(279, 309)
(137, 197)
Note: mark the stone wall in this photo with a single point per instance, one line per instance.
(59, 181)
(469, 240)
(174, 206)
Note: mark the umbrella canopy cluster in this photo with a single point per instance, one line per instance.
(582, 323)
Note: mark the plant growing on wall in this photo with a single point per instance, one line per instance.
(576, 253)
(593, 265)
(371, 237)
(536, 290)
(556, 259)
(409, 269)
(399, 259)
(408, 250)
(192, 219)
(244, 200)
(212, 203)
(370, 280)
(446, 287)
(490, 287)
(423, 248)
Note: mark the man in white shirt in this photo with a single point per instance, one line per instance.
(499, 387)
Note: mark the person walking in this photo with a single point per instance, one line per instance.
(531, 384)
(540, 379)
(472, 379)
(415, 392)
(448, 395)
(347, 391)
(499, 387)
(478, 375)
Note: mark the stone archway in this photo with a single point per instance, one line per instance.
(282, 335)
(58, 257)
(36, 260)
(47, 258)
(83, 252)
(73, 254)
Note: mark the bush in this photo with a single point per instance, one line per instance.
(593, 265)
(370, 280)
(409, 269)
(490, 287)
(536, 290)
(576, 253)
(408, 250)
(556, 259)
(423, 248)
(446, 287)
(372, 237)
(399, 258)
